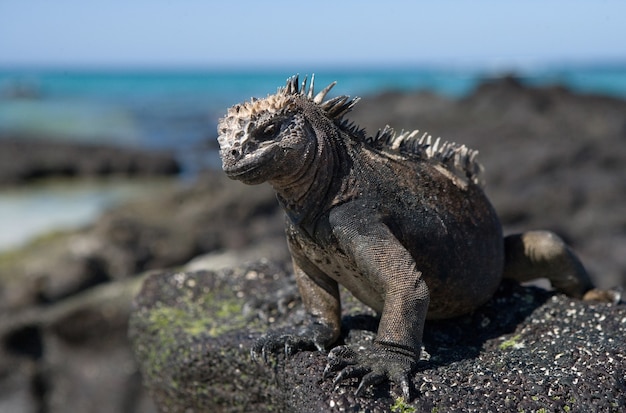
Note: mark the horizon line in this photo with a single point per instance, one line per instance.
(493, 65)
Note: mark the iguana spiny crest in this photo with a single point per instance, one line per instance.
(240, 137)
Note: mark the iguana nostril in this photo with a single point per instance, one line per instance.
(234, 153)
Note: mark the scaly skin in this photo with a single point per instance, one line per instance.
(400, 221)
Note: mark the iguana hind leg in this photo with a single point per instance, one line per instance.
(543, 254)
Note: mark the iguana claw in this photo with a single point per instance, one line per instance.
(290, 341)
(374, 365)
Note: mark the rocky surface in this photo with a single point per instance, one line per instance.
(65, 299)
(525, 350)
(157, 232)
(72, 356)
(24, 159)
(553, 160)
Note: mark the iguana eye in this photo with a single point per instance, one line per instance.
(268, 132)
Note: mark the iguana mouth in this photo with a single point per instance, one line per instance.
(239, 170)
(247, 169)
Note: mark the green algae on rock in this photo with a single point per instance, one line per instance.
(188, 367)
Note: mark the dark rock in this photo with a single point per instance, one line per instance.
(525, 349)
(72, 356)
(23, 159)
(211, 215)
(553, 160)
(64, 300)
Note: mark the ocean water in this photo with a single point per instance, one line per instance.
(27, 212)
(173, 110)
(178, 111)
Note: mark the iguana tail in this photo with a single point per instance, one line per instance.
(543, 254)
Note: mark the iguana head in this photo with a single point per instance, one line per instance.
(282, 138)
(271, 139)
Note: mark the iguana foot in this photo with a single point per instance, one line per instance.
(613, 296)
(374, 365)
(288, 340)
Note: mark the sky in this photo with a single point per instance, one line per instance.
(255, 34)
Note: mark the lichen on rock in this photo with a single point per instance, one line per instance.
(192, 333)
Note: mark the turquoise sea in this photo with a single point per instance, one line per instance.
(179, 109)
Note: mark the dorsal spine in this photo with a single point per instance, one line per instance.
(458, 159)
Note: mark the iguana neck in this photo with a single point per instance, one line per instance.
(310, 190)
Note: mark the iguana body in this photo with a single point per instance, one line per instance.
(398, 220)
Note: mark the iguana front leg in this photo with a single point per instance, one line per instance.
(320, 295)
(390, 271)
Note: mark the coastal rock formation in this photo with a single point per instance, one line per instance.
(23, 160)
(560, 161)
(180, 224)
(73, 355)
(525, 350)
(65, 299)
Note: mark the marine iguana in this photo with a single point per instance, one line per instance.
(399, 219)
